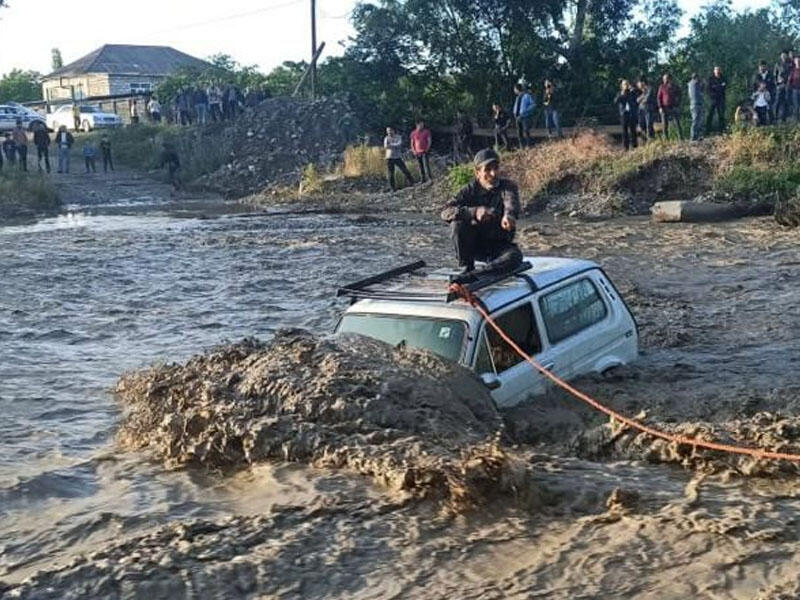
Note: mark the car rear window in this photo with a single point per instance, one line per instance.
(444, 337)
(571, 309)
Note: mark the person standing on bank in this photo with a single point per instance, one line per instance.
(421, 147)
(696, 107)
(64, 141)
(648, 107)
(717, 85)
(483, 219)
(524, 106)
(21, 142)
(669, 104)
(628, 106)
(501, 124)
(393, 144)
(105, 150)
(552, 116)
(41, 139)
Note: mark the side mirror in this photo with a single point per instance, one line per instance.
(490, 380)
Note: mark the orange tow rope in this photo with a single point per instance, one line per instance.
(678, 439)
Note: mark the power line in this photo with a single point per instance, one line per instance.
(225, 18)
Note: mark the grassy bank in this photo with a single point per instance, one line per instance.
(595, 175)
(24, 195)
(140, 146)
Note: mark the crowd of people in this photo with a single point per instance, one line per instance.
(14, 149)
(197, 105)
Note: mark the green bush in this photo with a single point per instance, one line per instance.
(754, 182)
(459, 176)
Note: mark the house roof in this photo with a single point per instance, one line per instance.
(123, 59)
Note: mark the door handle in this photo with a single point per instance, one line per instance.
(548, 366)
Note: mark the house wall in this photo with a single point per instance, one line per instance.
(83, 86)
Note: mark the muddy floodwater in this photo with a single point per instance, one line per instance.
(89, 296)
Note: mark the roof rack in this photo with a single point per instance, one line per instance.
(359, 289)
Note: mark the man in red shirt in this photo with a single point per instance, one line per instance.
(421, 146)
(669, 104)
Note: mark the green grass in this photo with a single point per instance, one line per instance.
(140, 146)
(26, 194)
(460, 175)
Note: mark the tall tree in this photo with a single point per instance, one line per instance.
(56, 62)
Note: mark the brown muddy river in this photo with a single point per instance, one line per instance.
(87, 297)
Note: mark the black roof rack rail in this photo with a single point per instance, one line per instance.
(358, 289)
(491, 279)
(358, 286)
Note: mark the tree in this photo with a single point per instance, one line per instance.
(736, 42)
(20, 86)
(56, 62)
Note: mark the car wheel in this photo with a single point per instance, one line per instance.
(85, 126)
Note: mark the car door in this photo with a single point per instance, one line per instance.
(7, 121)
(580, 324)
(511, 376)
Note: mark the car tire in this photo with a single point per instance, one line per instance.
(85, 126)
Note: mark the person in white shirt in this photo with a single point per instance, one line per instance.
(761, 104)
(393, 144)
(154, 108)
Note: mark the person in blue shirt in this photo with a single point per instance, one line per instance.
(524, 106)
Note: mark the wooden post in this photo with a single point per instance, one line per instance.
(313, 49)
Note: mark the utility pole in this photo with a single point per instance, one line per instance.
(313, 49)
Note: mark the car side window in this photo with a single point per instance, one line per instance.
(571, 309)
(520, 326)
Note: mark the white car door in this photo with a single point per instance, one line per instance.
(580, 323)
(510, 377)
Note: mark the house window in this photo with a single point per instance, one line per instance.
(141, 88)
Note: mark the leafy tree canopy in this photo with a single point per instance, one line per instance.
(20, 86)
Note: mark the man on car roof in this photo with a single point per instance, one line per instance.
(483, 217)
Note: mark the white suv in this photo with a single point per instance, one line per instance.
(564, 312)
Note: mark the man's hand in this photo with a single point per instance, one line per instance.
(483, 214)
(508, 223)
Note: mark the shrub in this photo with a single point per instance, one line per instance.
(311, 183)
(460, 175)
(754, 182)
(363, 160)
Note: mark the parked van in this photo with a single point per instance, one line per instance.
(564, 312)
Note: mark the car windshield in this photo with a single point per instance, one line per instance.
(88, 109)
(441, 336)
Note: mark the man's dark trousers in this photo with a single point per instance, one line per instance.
(391, 163)
(717, 106)
(477, 242)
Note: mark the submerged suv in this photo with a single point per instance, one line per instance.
(564, 312)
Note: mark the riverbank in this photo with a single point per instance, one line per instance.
(25, 196)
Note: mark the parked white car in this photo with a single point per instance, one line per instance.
(12, 112)
(91, 118)
(564, 312)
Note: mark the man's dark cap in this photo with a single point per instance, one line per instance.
(485, 156)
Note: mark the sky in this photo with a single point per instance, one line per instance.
(254, 32)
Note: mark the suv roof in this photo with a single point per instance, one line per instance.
(543, 272)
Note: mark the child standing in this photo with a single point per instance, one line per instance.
(761, 102)
(9, 149)
(89, 154)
